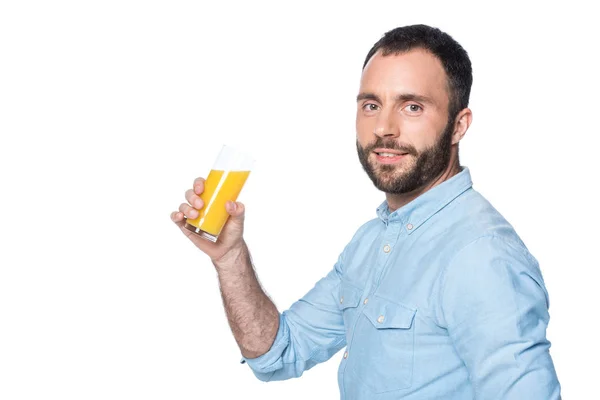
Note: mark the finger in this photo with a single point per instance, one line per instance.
(194, 200)
(177, 217)
(188, 211)
(198, 185)
(235, 209)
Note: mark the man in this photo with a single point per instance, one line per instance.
(437, 298)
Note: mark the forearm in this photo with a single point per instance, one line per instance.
(309, 332)
(252, 316)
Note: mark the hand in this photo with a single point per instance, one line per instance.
(230, 239)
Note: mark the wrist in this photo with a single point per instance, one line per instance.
(233, 259)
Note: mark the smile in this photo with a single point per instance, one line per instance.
(385, 156)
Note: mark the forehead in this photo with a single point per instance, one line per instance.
(417, 71)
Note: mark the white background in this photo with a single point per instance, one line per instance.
(110, 109)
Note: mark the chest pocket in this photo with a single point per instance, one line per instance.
(348, 300)
(382, 350)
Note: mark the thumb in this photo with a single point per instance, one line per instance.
(237, 210)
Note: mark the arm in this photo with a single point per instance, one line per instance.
(252, 316)
(275, 346)
(496, 311)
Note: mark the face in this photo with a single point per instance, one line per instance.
(404, 136)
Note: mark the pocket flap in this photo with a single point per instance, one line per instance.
(349, 296)
(384, 314)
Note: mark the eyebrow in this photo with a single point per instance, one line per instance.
(399, 98)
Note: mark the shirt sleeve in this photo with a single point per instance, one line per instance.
(310, 332)
(495, 307)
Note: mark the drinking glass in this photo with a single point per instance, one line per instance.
(224, 183)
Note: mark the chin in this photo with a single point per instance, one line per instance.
(399, 168)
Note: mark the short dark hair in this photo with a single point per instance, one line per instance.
(454, 58)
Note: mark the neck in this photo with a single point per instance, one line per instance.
(395, 201)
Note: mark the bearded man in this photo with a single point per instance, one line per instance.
(437, 297)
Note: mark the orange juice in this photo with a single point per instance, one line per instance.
(219, 187)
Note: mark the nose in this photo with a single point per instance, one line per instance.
(385, 125)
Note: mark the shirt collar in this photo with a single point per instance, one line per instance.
(415, 213)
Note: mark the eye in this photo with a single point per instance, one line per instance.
(413, 108)
(370, 107)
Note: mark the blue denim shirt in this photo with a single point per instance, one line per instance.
(439, 299)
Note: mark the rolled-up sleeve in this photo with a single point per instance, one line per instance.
(495, 307)
(311, 331)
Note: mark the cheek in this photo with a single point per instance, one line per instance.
(421, 133)
(364, 127)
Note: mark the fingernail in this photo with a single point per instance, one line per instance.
(198, 204)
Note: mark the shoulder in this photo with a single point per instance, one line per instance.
(492, 264)
(477, 223)
(491, 248)
(482, 244)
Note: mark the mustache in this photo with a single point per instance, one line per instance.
(404, 148)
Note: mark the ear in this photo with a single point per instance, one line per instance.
(461, 124)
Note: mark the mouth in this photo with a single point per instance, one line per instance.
(388, 156)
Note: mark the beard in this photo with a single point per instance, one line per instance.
(416, 170)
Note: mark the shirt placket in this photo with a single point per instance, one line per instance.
(386, 246)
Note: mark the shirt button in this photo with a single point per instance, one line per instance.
(387, 248)
(366, 301)
(380, 319)
(345, 355)
(341, 299)
(409, 226)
